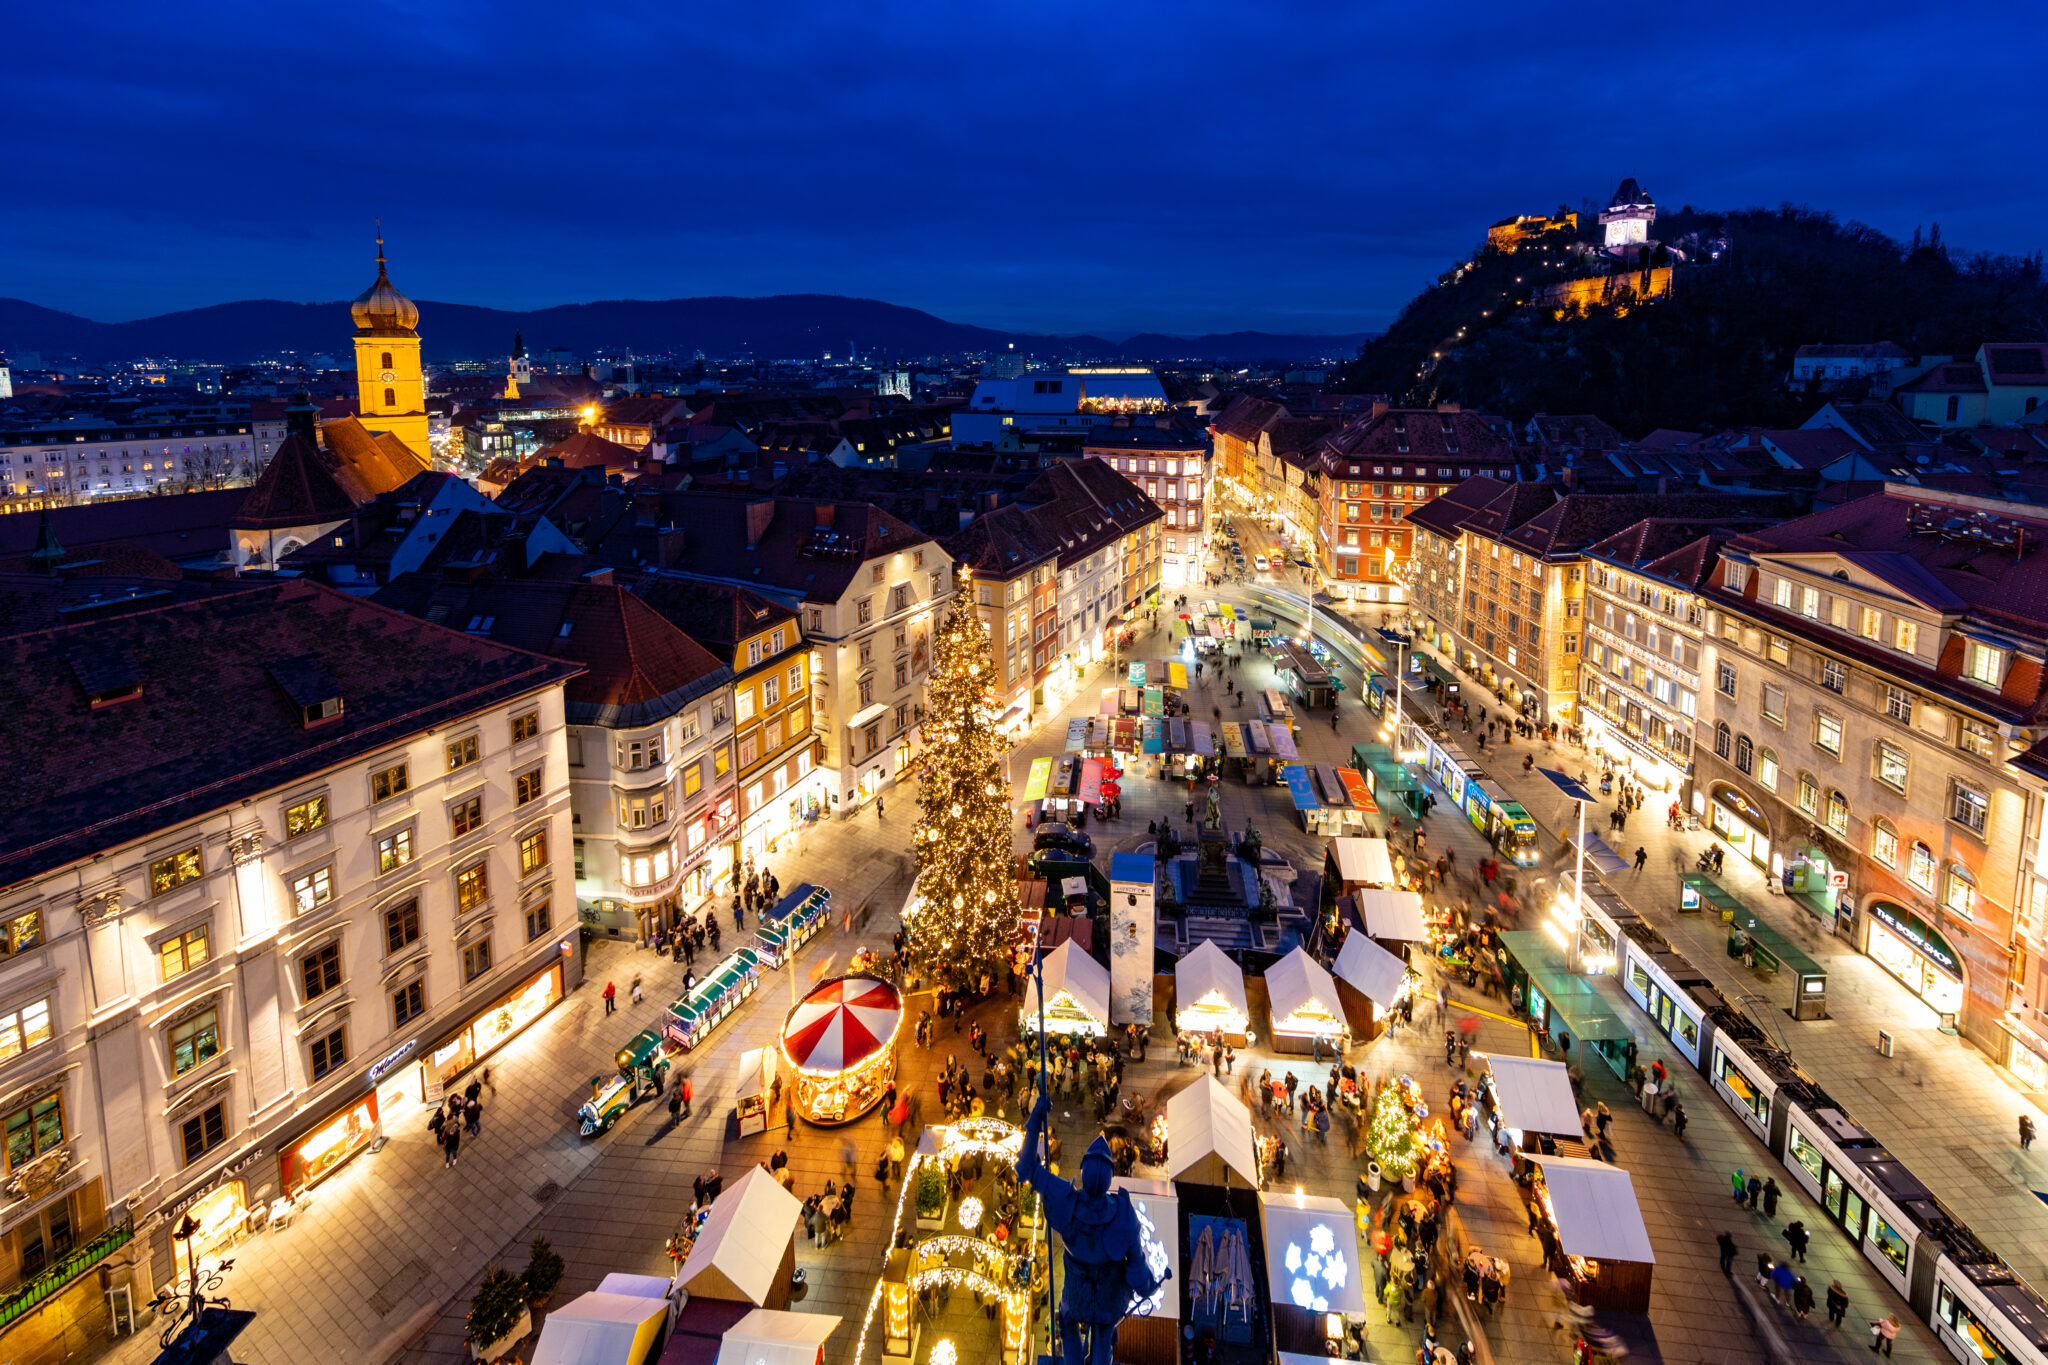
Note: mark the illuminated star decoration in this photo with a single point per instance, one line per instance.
(1323, 1261)
(945, 1353)
(1155, 1259)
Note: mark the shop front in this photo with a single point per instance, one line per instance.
(486, 1032)
(1811, 880)
(305, 1161)
(1738, 822)
(1915, 952)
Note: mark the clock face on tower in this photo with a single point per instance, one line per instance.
(387, 376)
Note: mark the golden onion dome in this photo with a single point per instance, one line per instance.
(381, 308)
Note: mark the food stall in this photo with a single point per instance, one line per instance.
(621, 1323)
(1151, 1335)
(711, 1002)
(769, 1336)
(796, 917)
(1208, 994)
(1313, 1268)
(1591, 1228)
(1315, 817)
(1076, 994)
(1209, 1132)
(1353, 862)
(1371, 983)
(839, 1044)
(753, 1088)
(1529, 1103)
(746, 1246)
(1305, 1006)
(641, 1072)
(1389, 916)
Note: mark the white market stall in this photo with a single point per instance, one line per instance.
(1530, 1097)
(620, 1323)
(1391, 916)
(1151, 1335)
(767, 1336)
(1371, 982)
(752, 1090)
(1361, 862)
(1076, 994)
(1592, 1231)
(1313, 1267)
(1304, 1004)
(1209, 1136)
(746, 1248)
(1208, 993)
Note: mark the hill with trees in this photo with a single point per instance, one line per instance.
(1715, 353)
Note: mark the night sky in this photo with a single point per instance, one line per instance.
(1055, 167)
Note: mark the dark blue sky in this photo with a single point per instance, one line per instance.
(1111, 167)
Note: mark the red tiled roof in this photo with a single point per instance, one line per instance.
(586, 449)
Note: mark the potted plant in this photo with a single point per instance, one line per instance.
(498, 1315)
(543, 1272)
(931, 1197)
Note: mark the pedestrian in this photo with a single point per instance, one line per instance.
(1771, 1193)
(1737, 1179)
(688, 1092)
(675, 1106)
(636, 988)
(451, 1144)
(1781, 1283)
(473, 1117)
(1642, 857)
(1838, 1303)
(1754, 1190)
(878, 808)
(1727, 1245)
(435, 1124)
(739, 914)
(1883, 1333)
(789, 1120)
(1678, 1121)
(2026, 1132)
(611, 994)
(1796, 1234)
(1802, 1297)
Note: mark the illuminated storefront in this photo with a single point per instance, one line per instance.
(1740, 825)
(1915, 952)
(311, 1158)
(487, 1032)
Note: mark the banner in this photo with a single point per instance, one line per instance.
(1300, 787)
(1034, 785)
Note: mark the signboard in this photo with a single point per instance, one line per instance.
(1077, 736)
(1034, 785)
(1155, 736)
(1233, 739)
(1155, 701)
(1137, 674)
(1355, 788)
(1177, 675)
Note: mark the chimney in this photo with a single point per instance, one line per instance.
(599, 578)
(1379, 407)
(668, 543)
(759, 514)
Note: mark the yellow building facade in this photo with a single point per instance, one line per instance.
(391, 383)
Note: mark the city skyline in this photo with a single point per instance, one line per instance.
(902, 160)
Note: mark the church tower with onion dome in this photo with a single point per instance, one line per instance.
(391, 384)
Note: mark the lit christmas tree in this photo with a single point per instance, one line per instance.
(964, 875)
(1395, 1139)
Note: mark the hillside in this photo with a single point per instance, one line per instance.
(781, 327)
(1715, 354)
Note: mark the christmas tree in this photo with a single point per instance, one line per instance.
(964, 875)
(1394, 1138)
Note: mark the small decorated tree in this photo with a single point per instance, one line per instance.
(543, 1272)
(495, 1311)
(931, 1190)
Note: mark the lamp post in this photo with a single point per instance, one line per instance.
(1399, 644)
(1575, 792)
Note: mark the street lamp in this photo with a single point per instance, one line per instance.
(1400, 645)
(1582, 798)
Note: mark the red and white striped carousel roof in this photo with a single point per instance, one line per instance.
(842, 1023)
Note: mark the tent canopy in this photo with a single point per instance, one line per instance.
(1534, 1095)
(768, 1336)
(601, 1329)
(1597, 1213)
(1312, 1253)
(750, 1226)
(1298, 980)
(842, 1023)
(1371, 970)
(1363, 861)
(1069, 969)
(757, 1070)
(1204, 1120)
(1208, 970)
(1395, 915)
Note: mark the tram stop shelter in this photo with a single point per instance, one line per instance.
(1209, 1135)
(1558, 1000)
(1699, 893)
(747, 1247)
(1763, 949)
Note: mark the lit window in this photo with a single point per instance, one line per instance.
(1872, 622)
(1884, 844)
(1962, 891)
(194, 1042)
(1809, 794)
(1983, 664)
(184, 952)
(1767, 770)
(1905, 636)
(462, 753)
(1780, 649)
(466, 817)
(24, 1029)
(394, 851)
(533, 852)
(314, 889)
(472, 887)
(526, 787)
(1970, 808)
(1827, 732)
(525, 726)
(1920, 867)
(33, 1130)
(173, 871)
(305, 817)
(1838, 812)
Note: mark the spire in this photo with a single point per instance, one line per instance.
(48, 554)
(380, 247)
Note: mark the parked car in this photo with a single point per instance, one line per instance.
(1066, 840)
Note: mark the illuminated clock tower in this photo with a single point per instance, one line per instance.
(391, 386)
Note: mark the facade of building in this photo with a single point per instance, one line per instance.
(1015, 582)
(234, 957)
(391, 378)
(54, 463)
(1170, 465)
(1073, 400)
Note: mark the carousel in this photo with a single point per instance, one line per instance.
(839, 1044)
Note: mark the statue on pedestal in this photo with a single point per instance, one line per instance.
(1212, 818)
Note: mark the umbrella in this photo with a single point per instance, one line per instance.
(1204, 1269)
(1469, 1024)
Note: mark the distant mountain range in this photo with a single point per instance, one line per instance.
(783, 327)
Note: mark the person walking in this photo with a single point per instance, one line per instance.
(1796, 1234)
(1727, 1245)
(1883, 1333)
(636, 988)
(451, 1144)
(1754, 1190)
(1771, 1193)
(1838, 1303)
(1642, 857)
(611, 997)
(2026, 1132)
(688, 1091)
(878, 809)
(1678, 1121)
(1802, 1297)
(675, 1106)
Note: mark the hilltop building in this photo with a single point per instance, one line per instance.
(1627, 218)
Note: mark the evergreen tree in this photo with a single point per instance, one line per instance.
(962, 839)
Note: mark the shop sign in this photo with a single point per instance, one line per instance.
(1914, 930)
(1741, 805)
(386, 1064)
(219, 1178)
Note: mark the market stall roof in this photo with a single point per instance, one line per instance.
(769, 1336)
(1069, 969)
(1363, 860)
(1597, 1213)
(1296, 980)
(753, 1074)
(1388, 914)
(1208, 970)
(1312, 1253)
(601, 1329)
(841, 1023)
(1158, 1210)
(1371, 970)
(1209, 1130)
(738, 1254)
(1534, 1095)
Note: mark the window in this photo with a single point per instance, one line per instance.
(1832, 674)
(462, 753)
(1745, 753)
(771, 692)
(408, 1003)
(539, 919)
(1978, 738)
(864, 610)
(1838, 613)
(476, 960)
(173, 871)
(327, 1053)
(313, 889)
(203, 1132)
(195, 1041)
(1969, 808)
(1780, 649)
(466, 817)
(1891, 766)
(1809, 794)
(1898, 705)
(182, 953)
(1905, 636)
(1838, 812)
(1774, 703)
(1961, 897)
(305, 817)
(525, 726)
(387, 784)
(472, 887)
(1767, 770)
(1827, 732)
(796, 679)
(1781, 593)
(1724, 677)
(390, 398)
(394, 851)
(526, 787)
(533, 852)
(1809, 603)
(1884, 843)
(1920, 867)
(1723, 739)
(1871, 623)
(401, 926)
(25, 1029)
(33, 1130)
(1983, 664)
(320, 970)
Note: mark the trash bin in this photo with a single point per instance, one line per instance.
(1884, 1043)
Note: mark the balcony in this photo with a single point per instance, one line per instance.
(25, 1298)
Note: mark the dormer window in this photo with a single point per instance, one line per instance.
(307, 683)
(1983, 664)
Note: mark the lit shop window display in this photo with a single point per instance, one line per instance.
(331, 1144)
(1209, 989)
(839, 1044)
(1304, 1002)
(1076, 994)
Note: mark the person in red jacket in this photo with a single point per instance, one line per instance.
(611, 995)
(688, 1092)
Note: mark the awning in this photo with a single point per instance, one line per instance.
(1091, 781)
(1070, 971)
(1597, 1213)
(1534, 1095)
(1312, 1256)
(1201, 739)
(1389, 914)
(1214, 629)
(757, 1067)
(1604, 859)
(1209, 1130)
(1034, 785)
(1207, 972)
(1283, 743)
(1177, 675)
(1233, 739)
(868, 713)
(1154, 732)
(1355, 788)
(768, 1336)
(738, 1254)
(1370, 970)
(1077, 735)
(1136, 673)
(1329, 785)
(1300, 787)
(1155, 701)
(1363, 861)
(1298, 981)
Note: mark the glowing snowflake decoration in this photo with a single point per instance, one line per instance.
(1155, 1260)
(1321, 1240)
(1293, 1257)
